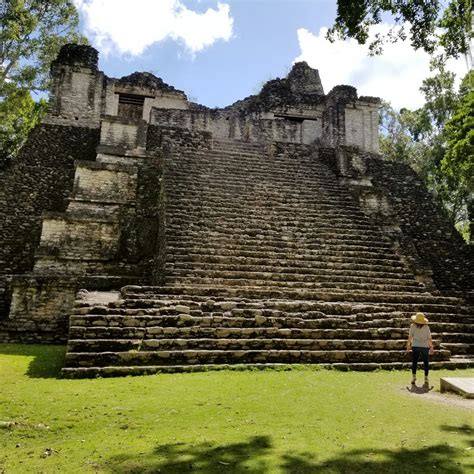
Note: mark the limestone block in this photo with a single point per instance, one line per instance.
(227, 305)
(122, 133)
(361, 126)
(105, 184)
(80, 239)
(182, 309)
(42, 299)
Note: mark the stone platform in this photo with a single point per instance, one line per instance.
(462, 385)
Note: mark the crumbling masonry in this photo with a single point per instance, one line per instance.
(267, 232)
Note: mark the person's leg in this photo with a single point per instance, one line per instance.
(426, 362)
(415, 356)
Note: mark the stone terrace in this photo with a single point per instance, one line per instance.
(268, 260)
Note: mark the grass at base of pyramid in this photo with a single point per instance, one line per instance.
(288, 421)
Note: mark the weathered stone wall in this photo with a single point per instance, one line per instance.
(105, 237)
(224, 125)
(122, 136)
(349, 120)
(39, 310)
(39, 179)
(164, 137)
(77, 87)
(436, 242)
(362, 126)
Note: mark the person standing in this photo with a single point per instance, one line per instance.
(421, 345)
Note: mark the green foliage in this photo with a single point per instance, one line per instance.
(301, 421)
(19, 113)
(437, 141)
(458, 161)
(31, 34)
(430, 24)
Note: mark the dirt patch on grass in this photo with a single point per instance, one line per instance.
(431, 394)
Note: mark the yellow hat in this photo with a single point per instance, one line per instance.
(419, 318)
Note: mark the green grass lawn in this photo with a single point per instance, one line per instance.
(298, 421)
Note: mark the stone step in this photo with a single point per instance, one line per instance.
(263, 201)
(349, 263)
(230, 344)
(294, 260)
(291, 280)
(226, 205)
(330, 227)
(246, 165)
(203, 307)
(279, 251)
(340, 235)
(457, 337)
(89, 372)
(183, 303)
(292, 218)
(244, 159)
(225, 237)
(269, 213)
(405, 301)
(283, 266)
(316, 224)
(285, 206)
(105, 359)
(297, 284)
(311, 183)
(322, 261)
(219, 171)
(341, 232)
(319, 271)
(463, 348)
(316, 191)
(299, 322)
(196, 332)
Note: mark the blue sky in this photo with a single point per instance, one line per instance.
(220, 52)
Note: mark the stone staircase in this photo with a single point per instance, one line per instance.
(268, 260)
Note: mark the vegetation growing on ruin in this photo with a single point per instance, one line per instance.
(437, 141)
(259, 422)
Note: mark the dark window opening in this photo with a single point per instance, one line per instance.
(131, 106)
(131, 99)
(296, 118)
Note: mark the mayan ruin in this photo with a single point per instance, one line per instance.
(154, 234)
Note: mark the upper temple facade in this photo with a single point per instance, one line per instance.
(294, 109)
(152, 233)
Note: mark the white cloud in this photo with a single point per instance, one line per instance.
(395, 76)
(129, 27)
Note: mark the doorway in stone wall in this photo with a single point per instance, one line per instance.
(131, 106)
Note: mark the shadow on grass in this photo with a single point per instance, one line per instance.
(47, 361)
(465, 429)
(419, 390)
(253, 456)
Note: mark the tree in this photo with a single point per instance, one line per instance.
(458, 161)
(430, 24)
(437, 141)
(19, 113)
(31, 34)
